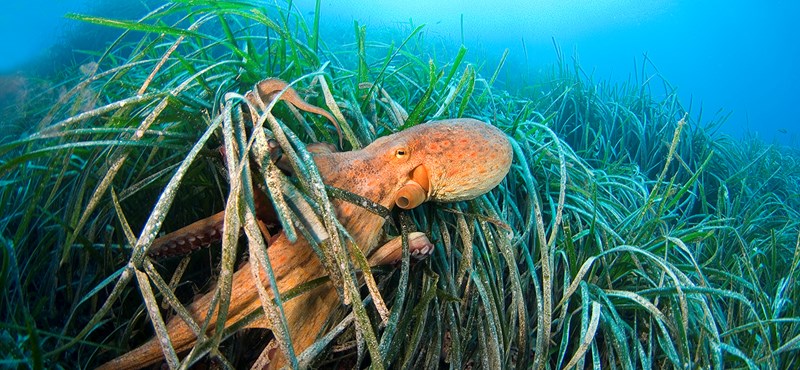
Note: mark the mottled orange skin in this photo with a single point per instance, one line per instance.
(464, 158)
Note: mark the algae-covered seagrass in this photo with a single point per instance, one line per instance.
(625, 234)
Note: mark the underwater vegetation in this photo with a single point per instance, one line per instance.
(626, 233)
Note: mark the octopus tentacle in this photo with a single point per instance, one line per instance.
(286, 257)
(207, 231)
(266, 91)
(389, 253)
(190, 238)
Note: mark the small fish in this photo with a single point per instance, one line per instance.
(782, 130)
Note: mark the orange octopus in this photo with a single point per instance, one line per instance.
(440, 161)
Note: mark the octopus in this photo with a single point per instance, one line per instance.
(439, 161)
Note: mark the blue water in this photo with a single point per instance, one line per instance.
(733, 56)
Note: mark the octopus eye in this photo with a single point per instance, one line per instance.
(401, 153)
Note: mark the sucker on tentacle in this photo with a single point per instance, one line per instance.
(203, 233)
(198, 235)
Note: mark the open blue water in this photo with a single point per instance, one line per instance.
(735, 56)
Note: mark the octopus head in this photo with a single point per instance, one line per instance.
(448, 161)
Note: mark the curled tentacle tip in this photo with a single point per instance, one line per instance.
(419, 245)
(410, 195)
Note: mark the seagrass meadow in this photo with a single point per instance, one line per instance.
(627, 234)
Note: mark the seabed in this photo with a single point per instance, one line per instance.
(626, 234)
